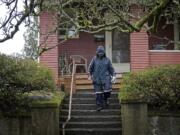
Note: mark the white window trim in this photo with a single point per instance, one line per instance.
(165, 51)
(76, 35)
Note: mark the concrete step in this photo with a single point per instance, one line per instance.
(85, 120)
(85, 91)
(90, 86)
(93, 131)
(105, 112)
(88, 100)
(109, 118)
(81, 94)
(90, 106)
(94, 125)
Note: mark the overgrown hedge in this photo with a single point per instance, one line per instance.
(159, 86)
(24, 74)
(18, 76)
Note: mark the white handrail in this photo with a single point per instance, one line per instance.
(70, 101)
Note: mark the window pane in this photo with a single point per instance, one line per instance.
(120, 47)
(160, 39)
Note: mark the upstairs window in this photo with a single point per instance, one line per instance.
(66, 27)
(68, 31)
(167, 36)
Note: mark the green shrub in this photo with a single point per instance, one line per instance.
(18, 76)
(159, 86)
(24, 74)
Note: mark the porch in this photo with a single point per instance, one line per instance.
(81, 82)
(127, 52)
(159, 57)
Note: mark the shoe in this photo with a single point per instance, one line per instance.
(99, 108)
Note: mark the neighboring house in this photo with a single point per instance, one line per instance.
(128, 52)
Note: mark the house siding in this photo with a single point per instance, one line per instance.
(49, 58)
(85, 45)
(166, 57)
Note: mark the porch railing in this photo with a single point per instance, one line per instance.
(70, 100)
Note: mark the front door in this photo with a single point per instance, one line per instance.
(118, 50)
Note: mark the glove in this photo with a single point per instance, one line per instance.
(113, 80)
(89, 77)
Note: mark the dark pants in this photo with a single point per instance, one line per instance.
(101, 98)
(102, 92)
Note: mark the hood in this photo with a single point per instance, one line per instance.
(100, 49)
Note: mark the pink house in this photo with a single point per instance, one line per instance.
(128, 52)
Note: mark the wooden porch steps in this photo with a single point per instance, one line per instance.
(82, 82)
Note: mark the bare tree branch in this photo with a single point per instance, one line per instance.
(9, 27)
(90, 16)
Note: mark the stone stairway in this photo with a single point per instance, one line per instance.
(85, 120)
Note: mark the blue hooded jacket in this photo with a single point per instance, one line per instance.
(101, 68)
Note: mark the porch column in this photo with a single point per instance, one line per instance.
(108, 44)
(50, 58)
(139, 45)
